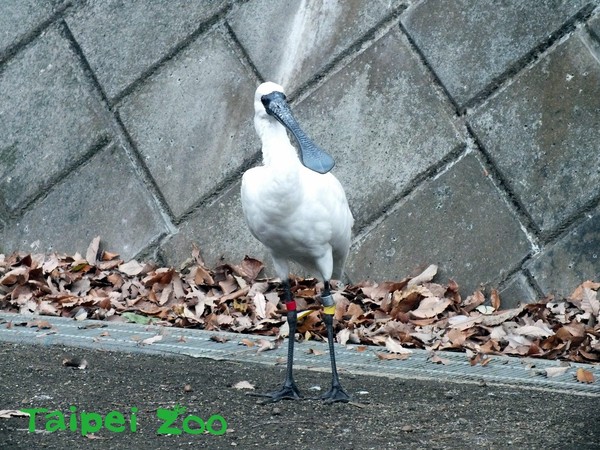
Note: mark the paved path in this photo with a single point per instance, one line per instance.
(412, 404)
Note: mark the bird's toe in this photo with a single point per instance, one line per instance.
(285, 393)
(336, 394)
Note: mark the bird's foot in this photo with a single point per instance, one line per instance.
(287, 392)
(335, 394)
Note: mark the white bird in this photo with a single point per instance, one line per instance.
(299, 211)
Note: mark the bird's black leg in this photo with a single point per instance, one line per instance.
(337, 392)
(289, 390)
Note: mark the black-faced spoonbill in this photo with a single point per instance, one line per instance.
(299, 211)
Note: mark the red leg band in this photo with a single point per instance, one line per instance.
(291, 306)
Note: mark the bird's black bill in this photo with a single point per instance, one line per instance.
(311, 155)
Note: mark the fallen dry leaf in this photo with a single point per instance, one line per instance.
(578, 292)
(14, 276)
(151, 340)
(92, 326)
(218, 338)
(401, 356)
(108, 256)
(93, 436)
(590, 303)
(81, 314)
(414, 313)
(394, 346)
(584, 376)
(131, 268)
(425, 276)
(40, 324)
(434, 358)
(260, 305)
(480, 359)
(500, 317)
(485, 361)
(8, 413)
(313, 351)
(472, 301)
(486, 310)
(343, 336)
(266, 345)
(464, 322)
(495, 299)
(551, 372)
(91, 254)
(430, 307)
(534, 330)
(243, 385)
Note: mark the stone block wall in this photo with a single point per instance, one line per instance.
(466, 133)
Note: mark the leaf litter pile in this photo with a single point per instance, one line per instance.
(397, 315)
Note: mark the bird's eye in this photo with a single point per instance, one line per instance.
(268, 98)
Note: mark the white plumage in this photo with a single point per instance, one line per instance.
(299, 214)
(299, 211)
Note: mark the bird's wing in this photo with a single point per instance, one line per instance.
(301, 219)
(331, 210)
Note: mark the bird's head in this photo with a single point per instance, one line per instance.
(264, 90)
(270, 102)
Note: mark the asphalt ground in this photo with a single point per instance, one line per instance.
(388, 411)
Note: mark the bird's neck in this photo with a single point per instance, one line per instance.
(277, 150)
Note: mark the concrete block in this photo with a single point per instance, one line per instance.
(457, 221)
(49, 117)
(20, 17)
(517, 291)
(291, 41)
(219, 230)
(123, 39)
(382, 121)
(470, 43)
(570, 261)
(594, 26)
(103, 197)
(543, 133)
(192, 121)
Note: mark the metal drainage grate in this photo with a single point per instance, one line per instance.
(100, 335)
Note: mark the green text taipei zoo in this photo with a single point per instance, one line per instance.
(117, 422)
